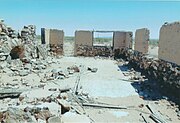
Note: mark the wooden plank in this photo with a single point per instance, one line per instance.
(156, 116)
(143, 118)
(104, 106)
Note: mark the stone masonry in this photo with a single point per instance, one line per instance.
(142, 40)
(83, 40)
(84, 43)
(122, 40)
(56, 39)
(169, 43)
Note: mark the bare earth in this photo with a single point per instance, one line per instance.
(106, 86)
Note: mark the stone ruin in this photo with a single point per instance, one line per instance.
(54, 39)
(122, 39)
(169, 42)
(28, 34)
(142, 40)
(9, 39)
(23, 45)
(84, 43)
(166, 74)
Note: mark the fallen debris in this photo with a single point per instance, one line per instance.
(156, 116)
(94, 70)
(166, 74)
(104, 106)
(17, 52)
(9, 93)
(143, 118)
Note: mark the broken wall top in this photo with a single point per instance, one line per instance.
(122, 39)
(142, 40)
(56, 37)
(83, 37)
(169, 42)
(142, 35)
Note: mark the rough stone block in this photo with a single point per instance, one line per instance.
(122, 39)
(56, 37)
(169, 43)
(141, 40)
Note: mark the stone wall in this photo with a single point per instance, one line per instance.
(91, 51)
(56, 40)
(56, 37)
(47, 33)
(19, 45)
(84, 44)
(122, 40)
(83, 41)
(167, 75)
(129, 39)
(142, 40)
(28, 34)
(9, 38)
(84, 38)
(169, 43)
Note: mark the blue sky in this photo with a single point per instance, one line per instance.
(71, 15)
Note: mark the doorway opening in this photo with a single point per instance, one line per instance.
(103, 38)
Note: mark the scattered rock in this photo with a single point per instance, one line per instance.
(54, 119)
(94, 70)
(43, 115)
(178, 113)
(23, 72)
(76, 118)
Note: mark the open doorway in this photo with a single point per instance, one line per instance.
(103, 38)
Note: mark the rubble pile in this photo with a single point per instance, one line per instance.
(40, 100)
(102, 51)
(54, 104)
(94, 51)
(56, 49)
(21, 45)
(28, 34)
(84, 50)
(9, 39)
(165, 73)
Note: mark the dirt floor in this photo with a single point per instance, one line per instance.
(101, 81)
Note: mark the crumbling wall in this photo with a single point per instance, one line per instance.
(84, 45)
(166, 74)
(83, 42)
(169, 42)
(9, 38)
(15, 45)
(142, 40)
(84, 38)
(56, 39)
(47, 31)
(129, 39)
(28, 34)
(122, 40)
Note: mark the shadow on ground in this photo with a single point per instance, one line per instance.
(150, 89)
(123, 68)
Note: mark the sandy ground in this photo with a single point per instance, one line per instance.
(106, 86)
(153, 51)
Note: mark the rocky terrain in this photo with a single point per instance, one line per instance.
(37, 86)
